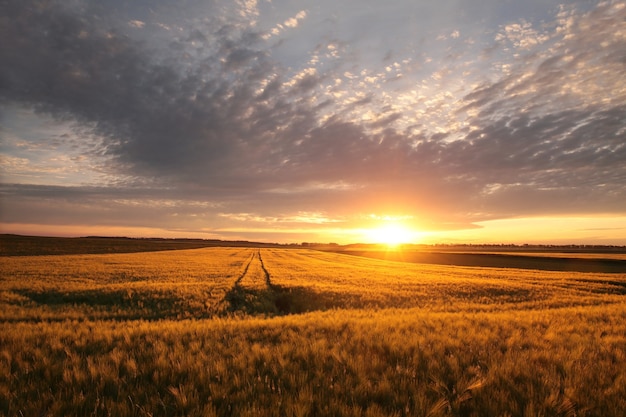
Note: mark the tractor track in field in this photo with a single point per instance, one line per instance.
(252, 292)
(245, 270)
(254, 273)
(268, 281)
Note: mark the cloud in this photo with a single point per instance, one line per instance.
(293, 22)
(521, 35)
(137, 24)
(222, 114)
(290, 23)
(152, 116)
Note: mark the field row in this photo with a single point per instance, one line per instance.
(203, 283)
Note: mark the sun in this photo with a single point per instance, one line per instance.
(391, 235)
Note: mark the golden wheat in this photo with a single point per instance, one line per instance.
(163, 335)
(152, 285)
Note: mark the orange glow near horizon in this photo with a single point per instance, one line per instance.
(392, 234)
(388, 230)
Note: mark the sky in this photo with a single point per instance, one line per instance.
(453, 121)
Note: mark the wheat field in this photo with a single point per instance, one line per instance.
(295, 332)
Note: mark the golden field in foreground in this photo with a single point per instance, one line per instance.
(294, 332)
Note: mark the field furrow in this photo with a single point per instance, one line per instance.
(253, 292)
(255, 276)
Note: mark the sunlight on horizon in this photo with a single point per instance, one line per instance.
(392, 235)
(590, 230)
(598, 230)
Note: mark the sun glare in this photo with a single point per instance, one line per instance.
(391, 235)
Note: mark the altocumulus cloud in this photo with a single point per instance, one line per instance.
(224, 108)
